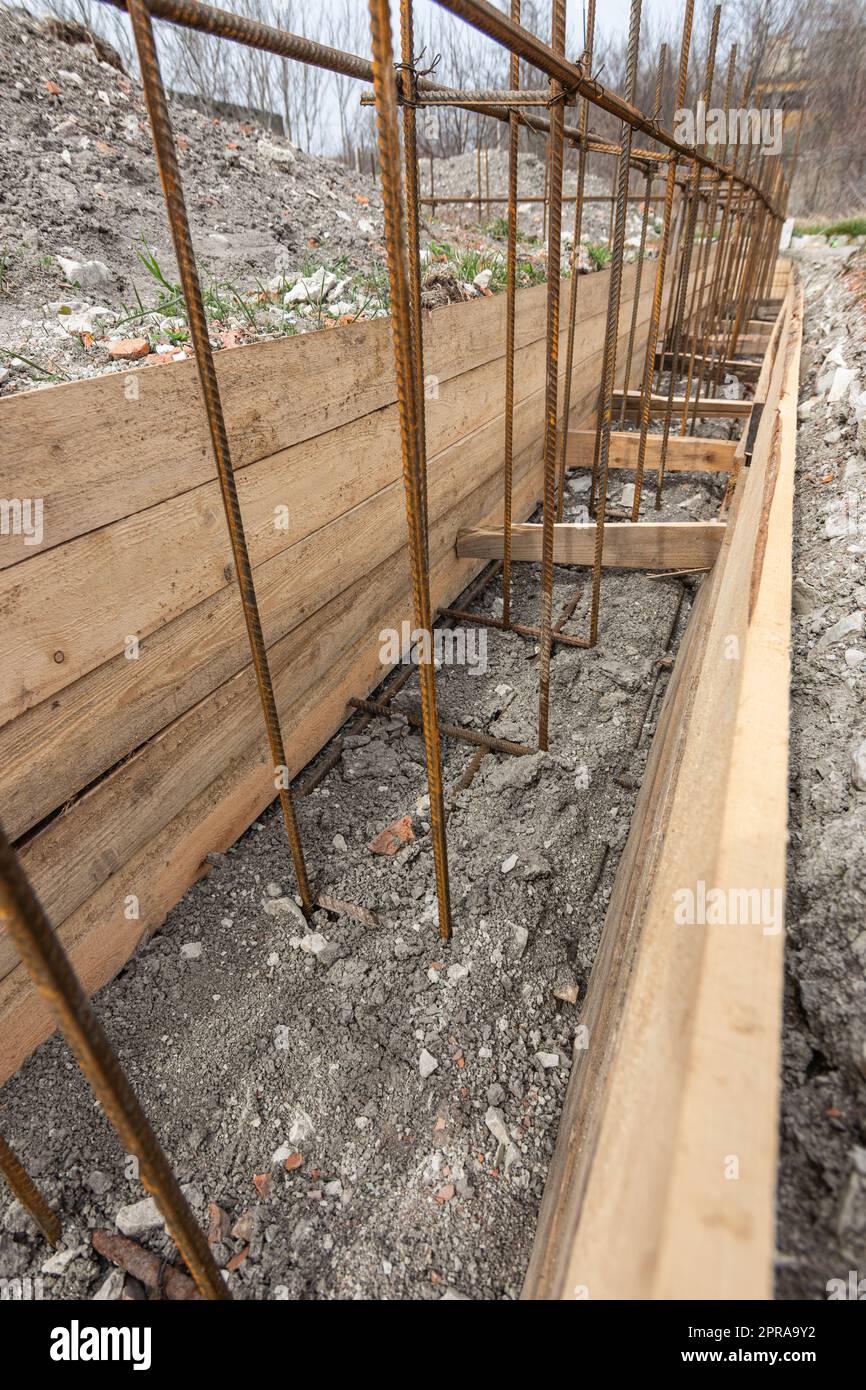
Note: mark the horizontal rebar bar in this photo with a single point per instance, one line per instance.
(209, 19)
(495, 745)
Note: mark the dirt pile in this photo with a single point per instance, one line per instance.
(78, 180)
(822, 1186)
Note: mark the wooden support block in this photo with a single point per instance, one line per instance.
(685, 455)
(711, 407)
(677, 545)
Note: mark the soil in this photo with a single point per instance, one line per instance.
(79, 184)
(822, 1181)
(253, 1039)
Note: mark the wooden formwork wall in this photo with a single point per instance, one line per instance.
(119, 773)
(663, 1181)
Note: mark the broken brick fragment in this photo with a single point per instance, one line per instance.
(128, 349)
(393, 837)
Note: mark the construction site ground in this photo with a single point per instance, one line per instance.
(364, 1111)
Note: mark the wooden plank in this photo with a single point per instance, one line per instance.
(97, 834)
(95, 451)
(64, 743)
(98, 934)
(146, 569)
(663, 1181)
(641, 546)
(685, 455)
(156, 813)
(710, 406)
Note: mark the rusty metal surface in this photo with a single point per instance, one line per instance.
(24, 1188)
(169, 172)
(38, 945)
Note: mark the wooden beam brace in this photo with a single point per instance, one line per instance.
(685, 455)
(677, 545)
(745, 367)
(708, 407)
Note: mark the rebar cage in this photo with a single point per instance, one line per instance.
(726, 221)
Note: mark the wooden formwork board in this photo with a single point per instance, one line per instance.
(663, 1180)
(119, 774)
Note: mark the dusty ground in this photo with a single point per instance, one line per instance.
(247, 1047)
(822, 1190)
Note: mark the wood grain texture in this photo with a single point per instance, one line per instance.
(167, 753)
(663, 1180)
(646, 545)
(685, 455)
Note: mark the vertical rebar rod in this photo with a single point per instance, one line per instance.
(413, 229)
(694, 188)
(613, 188)
(511, 293)
(395, 239)
(658, 293)
(739, 251)
(38, 945)
(605, 417)
(648, 185)
(730, 242)
(554, 256)
(24, 1188)
(169, 172)
(478, 177)
(614, 293)
(582, 157)
(674, 278)
(721, 247)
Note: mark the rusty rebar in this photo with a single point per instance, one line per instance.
(638, 280)
(493, 745)
(169, 171)
(413, 231)
(38, 945)
(573, 78)
(685, 272)
(510, 301)
(24, 1188)
(721, 247)
(582, 157)
(554, 256)
(658, 292)
(208, 19)
(608, 375)
(565, 639)
(410, 438)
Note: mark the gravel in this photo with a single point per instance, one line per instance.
(382, 1104)
(822, 1188)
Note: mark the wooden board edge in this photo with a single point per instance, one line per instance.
(695, 1256)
